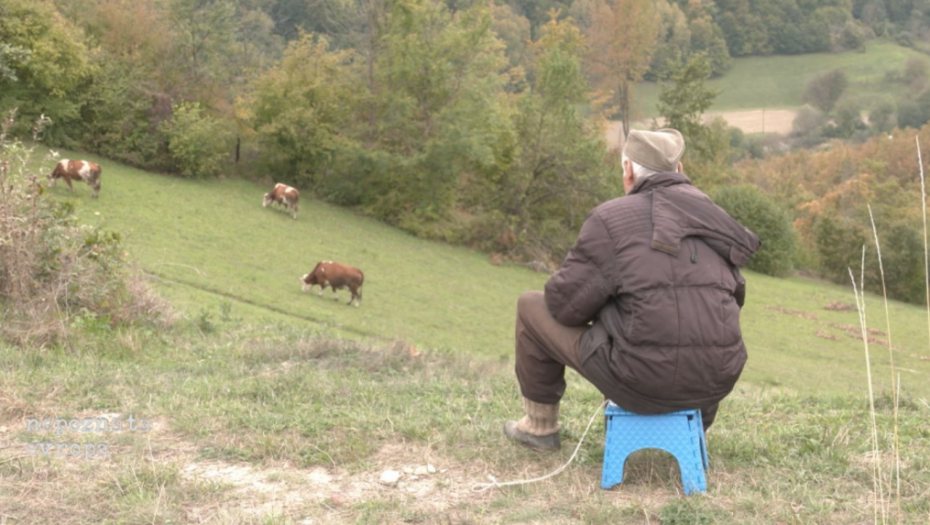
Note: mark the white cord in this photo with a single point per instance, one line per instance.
(481, 487)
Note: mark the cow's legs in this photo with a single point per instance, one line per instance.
(70, 187)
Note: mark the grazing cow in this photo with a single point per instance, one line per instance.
(336, 275)
(283, 195)
(77, 170)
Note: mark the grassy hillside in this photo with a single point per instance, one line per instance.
(210, 246)
(261, 426)
(276, 407)
(778, 82)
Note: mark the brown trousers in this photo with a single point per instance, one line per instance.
(544, 347)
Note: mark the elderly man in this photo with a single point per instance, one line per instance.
(646, 304)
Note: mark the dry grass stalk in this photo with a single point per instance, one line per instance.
(923, 200)
(894, 387)
(877, 484)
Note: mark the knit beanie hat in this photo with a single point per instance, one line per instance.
(658, 150)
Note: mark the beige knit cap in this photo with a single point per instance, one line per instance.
(658, 150)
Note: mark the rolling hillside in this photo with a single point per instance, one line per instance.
(210, 245)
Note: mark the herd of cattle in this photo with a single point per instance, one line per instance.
(326, 273)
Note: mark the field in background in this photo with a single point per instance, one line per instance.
(749, 121)
(778, 82)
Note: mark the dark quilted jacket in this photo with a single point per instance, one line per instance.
(655, 272)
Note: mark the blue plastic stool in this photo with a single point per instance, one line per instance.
(681, 434)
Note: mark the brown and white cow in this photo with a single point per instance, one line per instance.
(283, 195)
(336, 275)
(77, 170)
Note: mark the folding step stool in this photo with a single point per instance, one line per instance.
(681, 434)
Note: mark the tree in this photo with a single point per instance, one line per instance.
(442, 113)
(198, 142)
(707, 38)
(10, 58)
(823, 91)
(514, 31)
(914, 112)
(761, 214)
(848, 118)
(673, 43)
(684, 102)
(915, 74)
(882, 117)
(560, 170)
(44, 65)
(621, 41)
(205, 32)
(301, 107)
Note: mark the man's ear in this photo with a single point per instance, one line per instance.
(628, 172)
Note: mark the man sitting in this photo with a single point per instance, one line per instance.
(645, 305)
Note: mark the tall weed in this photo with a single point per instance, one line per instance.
(52, 269)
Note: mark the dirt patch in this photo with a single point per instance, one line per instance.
(427, 483)
(750, 121)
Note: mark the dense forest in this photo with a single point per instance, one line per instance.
(471, 122)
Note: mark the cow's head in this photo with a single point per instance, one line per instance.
(267, 200)
(308, 280)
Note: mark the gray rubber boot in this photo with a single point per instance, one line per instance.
(538, 429)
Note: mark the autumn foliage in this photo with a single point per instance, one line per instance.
(829, 192)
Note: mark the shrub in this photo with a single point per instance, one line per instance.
(54, 272)
(839, 243)
(882, 117)
(916, 74)
(823, 91)
(761, 214)
(914, 112)
(848, 119)
(808, 122)
(902, 262)
(199, 144)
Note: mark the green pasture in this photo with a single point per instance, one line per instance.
(271, 406)
(778, 82)
(214, 252)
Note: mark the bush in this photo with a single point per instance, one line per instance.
(54, 272)
(848, 118)
(902, 262)
(823, 91)
(199, 144)
(882, 117)
(761, 214)
(839, 244)
(808, 122)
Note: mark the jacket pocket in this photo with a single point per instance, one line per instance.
(593, 340)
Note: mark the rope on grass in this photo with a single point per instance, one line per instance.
(481, 487)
